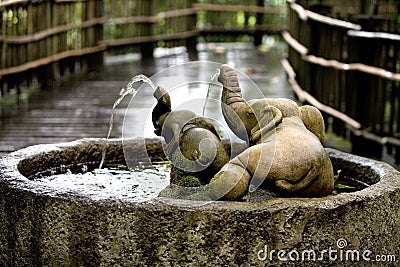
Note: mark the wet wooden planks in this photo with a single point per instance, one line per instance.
(70, 111)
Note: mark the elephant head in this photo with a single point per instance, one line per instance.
(193, 144)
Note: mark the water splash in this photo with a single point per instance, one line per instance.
(215, 75)
(128, 90)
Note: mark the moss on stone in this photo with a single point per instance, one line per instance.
(189, 181)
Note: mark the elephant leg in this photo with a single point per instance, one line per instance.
(250, 167)
(230, 183)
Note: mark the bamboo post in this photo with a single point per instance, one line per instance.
(338, 126)
(45, 73)
(62, 38)
(71, 14)
(258, 34)
(363, 84)
(147, 48)
(95, 9)
(393, 94)
(191, 42)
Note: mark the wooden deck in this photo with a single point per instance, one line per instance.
(80, 107)
(69, 111)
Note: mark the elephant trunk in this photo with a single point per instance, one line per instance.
(231, 94)
(161, 110)
(231, 100)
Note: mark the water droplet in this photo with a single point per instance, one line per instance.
(84, 168)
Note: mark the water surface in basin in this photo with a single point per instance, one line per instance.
(141, 184)
(110, 183)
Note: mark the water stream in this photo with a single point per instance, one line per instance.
(215, 75)
(128, 90)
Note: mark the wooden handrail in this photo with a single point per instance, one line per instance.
(152, 19)
(305, 14)
(245, 28)
(16, 2)
(93, 22)
(50, 59)
(380, 72)
(150, 38)
(37, 36)
(296, 45)
(306, 97)
(354, 125)
(12, 2)
(374, 35)
(235, 8)
(303, 51)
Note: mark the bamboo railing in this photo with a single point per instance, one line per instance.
(349, 74)
(236, 17)
(145, 22)
(42, 40)
(39, 36)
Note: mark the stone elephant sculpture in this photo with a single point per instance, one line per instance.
(285, 156)
(193, 145)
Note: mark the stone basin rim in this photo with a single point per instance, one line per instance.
(389, 182)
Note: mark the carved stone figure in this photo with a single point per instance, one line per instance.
(285, 154)
(193, 145)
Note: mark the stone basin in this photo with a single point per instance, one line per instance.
(41, 227)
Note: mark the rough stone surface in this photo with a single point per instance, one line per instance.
(39, 227)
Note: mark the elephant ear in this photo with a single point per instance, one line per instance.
(267, 121)
(200, 122)
(313, 120)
